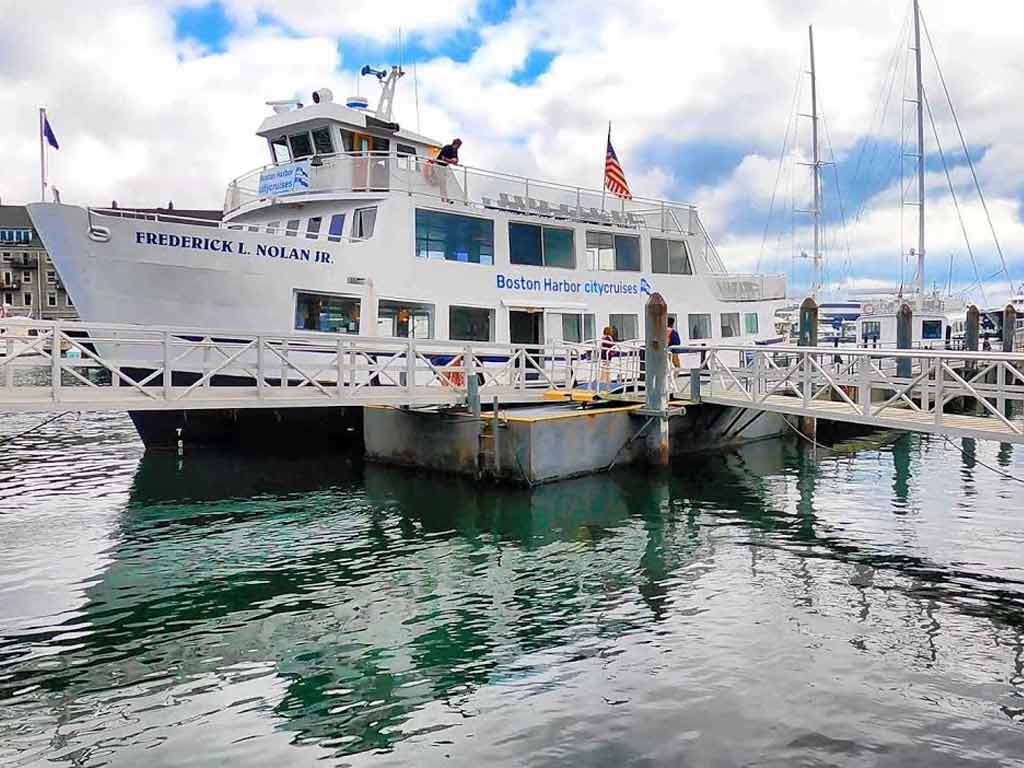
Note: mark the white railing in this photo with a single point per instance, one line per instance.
(375, 173)
(52, 364)
(917, 388)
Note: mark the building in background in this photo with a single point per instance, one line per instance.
(29, 281)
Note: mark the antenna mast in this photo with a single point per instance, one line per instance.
(920, 149)
(816, 210)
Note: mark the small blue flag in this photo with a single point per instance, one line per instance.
(48, 134)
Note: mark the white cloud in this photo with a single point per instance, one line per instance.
(144, 117)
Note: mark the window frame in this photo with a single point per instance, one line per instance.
(689, 326)
(51, 299)
(358, 216)
(418, 241)
(594, 259)
(931, 338)
(687, 260)
(721, 325)
(543, 229)
(401, 304)
(746, 323)
(296, 155)
(299, 292)
(324, 131)
(622, 336)
(313, 233)
(26, 299)
(491, 321)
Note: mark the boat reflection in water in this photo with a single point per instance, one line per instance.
(264, 606)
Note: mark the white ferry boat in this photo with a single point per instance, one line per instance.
(354, 228)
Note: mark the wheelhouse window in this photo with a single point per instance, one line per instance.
(931, 330)
(313, 227)
(699, 325)
(452, 237)
(538, 246)
(279, 150)
(470, 324)
(670, 257)
(405, 319)
(301, 145)
(336, 226)
(322, 141)
(750, 323)
(323, 312)
(363, 221)
(610, 252)
(730, 325)
(626, 327)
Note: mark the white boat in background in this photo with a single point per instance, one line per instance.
(353, 228)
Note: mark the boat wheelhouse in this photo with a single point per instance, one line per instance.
(354, 228)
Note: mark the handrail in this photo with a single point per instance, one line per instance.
(461, 166)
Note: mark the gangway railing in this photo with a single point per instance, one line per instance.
(947, 391)
(53, 364)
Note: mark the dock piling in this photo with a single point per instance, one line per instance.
(656, 378)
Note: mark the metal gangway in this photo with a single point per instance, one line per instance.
(944, 392)
(55, 365)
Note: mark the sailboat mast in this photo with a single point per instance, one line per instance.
(920, 148)
(816, 210)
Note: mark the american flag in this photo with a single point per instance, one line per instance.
(614, 178)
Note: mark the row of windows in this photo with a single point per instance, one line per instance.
(341, 314)
(364, 221)
(15, 235)
(320, 141)
(26, 257)
(26, 299)
(453, 237)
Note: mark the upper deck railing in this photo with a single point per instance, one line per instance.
(380, 172)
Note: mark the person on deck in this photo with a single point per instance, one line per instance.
(448, 155)
(673, 343)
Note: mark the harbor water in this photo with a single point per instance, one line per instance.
(770, 607)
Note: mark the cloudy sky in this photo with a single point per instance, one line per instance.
(158, 100)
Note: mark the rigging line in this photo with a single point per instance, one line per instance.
(976, 460)
(884, 97)
(5, 440)
(952, 192)
(963, 143)
(835, 173)
(778, 172)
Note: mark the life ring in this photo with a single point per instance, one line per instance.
(869, 309)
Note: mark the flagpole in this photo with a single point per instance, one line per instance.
(42, 156)
(604, 179)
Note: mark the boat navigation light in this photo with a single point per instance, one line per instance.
(357, 102)
(323, 96)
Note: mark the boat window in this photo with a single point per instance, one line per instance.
(470, 324)
(322, 141)
(347, 140)
(405, 319)
(750, 323)
(931, 329)
(730, 325)
(336, 225)
(313, 227)
(363, 221)
(253, 228)
(322, 312)
(607, 252)
(405, 150)
(279, 150)
(670, 257)
(699, 325)
(292, 227)
(626, 327)
(301, 145)
(539, 246)
(589, 327)
(272, 227)
(872, 329)
(572, 328)
(452, 237)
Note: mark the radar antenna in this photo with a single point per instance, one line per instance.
(388, 81)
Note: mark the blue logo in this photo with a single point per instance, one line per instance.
(301, 177)
(645, 287)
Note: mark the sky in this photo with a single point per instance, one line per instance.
(159, 100)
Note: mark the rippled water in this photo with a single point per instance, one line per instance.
(767, 607)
